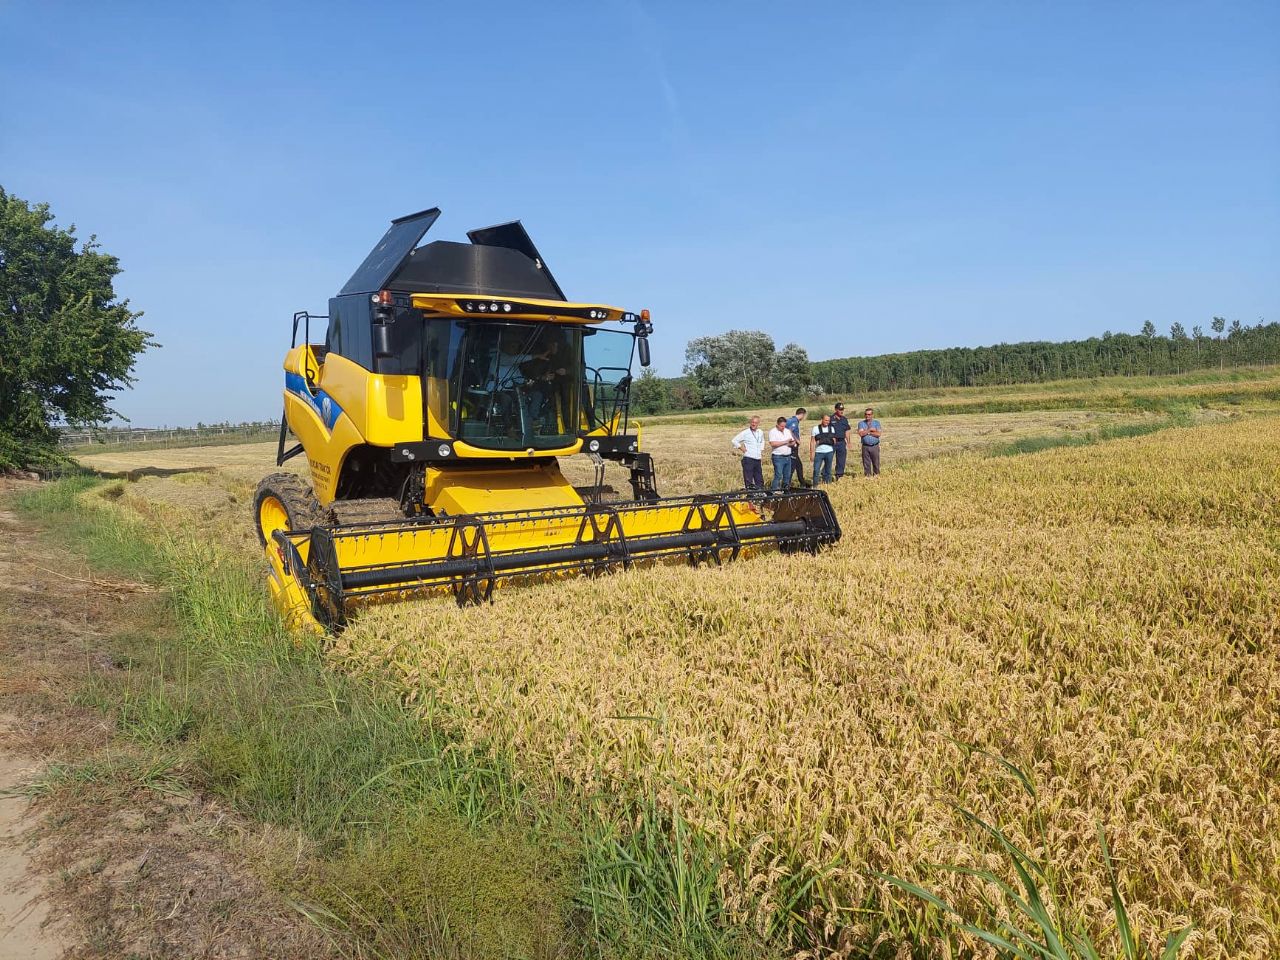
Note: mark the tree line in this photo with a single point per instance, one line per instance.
(1225, 344)
(745, 368)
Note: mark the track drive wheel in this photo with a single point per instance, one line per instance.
(284, 501)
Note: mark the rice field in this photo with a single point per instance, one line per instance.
(688, 454)
(1104, 617)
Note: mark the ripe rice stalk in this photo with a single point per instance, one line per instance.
(1034, 921)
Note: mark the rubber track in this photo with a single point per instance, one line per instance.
(297, 496)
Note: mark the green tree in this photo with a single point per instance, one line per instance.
(792, 372)
(1149, 330)
(650, 393)
(1218, 324)
(735, 368)
(66, 342)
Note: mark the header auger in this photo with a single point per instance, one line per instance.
(452, 378)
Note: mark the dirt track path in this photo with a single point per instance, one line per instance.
(111, 868)
(24, 913)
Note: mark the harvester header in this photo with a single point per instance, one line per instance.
(451, 380)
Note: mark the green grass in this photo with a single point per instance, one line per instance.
(1178, 417)
(423, 846)
(112, 772)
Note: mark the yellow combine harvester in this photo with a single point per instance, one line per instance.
(452, 378)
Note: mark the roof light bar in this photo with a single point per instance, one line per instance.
(508, 306)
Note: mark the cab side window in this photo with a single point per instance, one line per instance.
(349, 334)
(333, 339)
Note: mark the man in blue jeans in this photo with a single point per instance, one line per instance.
(822, 447)
(780, 441)
(869, 431)
(797, 464)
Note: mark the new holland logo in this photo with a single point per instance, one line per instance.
(326, 409)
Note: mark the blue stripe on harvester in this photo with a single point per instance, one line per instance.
(325, 406)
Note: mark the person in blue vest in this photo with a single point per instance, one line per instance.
(869, 431)
(822, 447)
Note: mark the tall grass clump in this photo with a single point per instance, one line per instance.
(1175, 416)
(1032, 917)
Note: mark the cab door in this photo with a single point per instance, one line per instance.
(606, 380)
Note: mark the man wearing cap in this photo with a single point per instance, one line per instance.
(840, 424)
(869, 431)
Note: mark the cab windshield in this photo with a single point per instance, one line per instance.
(516, 386)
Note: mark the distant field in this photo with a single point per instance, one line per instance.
(1103, 616)
(1255, 387)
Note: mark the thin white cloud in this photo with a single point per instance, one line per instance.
(646, 37)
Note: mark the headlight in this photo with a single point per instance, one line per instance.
(593, 446)
(444, 450)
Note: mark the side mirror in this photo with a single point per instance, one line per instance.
(642, 347)
(381, 340)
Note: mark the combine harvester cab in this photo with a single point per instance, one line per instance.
(452, 379)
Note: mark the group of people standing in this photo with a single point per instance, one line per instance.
(829, 443)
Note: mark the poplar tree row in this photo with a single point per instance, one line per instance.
(1225, 344)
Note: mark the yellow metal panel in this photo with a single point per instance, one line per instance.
(533, 487)
(347, 382)
(394, 405)
(325, 450)
(385, 409)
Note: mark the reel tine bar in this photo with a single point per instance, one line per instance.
(469, 554)
(469, 541)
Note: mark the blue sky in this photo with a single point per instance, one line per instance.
(859, 178)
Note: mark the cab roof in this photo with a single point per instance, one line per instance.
(499, 260)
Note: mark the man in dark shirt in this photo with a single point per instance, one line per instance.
(797, 464)
(840, 423)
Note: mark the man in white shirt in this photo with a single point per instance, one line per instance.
(750, 443)
(780, 442)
